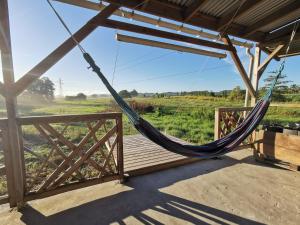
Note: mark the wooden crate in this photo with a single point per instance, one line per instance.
(278, 148)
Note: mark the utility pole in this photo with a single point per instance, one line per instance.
(60, 83)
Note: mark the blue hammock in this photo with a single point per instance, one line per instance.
(210, 150)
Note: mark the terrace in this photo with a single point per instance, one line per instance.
(73, 179)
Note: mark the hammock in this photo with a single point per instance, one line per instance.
(210, 150)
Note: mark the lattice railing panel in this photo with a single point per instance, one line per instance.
(58, 153)
(3, 178)
(227, 120)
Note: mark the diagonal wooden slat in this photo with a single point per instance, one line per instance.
(83, 158)
(106, 162)
(45, 161)
(72, 146)
(75, 150)
(96, 140)
(62, 50)
(55, 146)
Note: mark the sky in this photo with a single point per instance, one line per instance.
(36, 31)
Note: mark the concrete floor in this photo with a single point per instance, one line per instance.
(232, 190)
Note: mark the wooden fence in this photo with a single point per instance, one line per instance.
(228, 118)
(62, 153)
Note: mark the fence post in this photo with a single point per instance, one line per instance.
(120, 157)
(217, 123)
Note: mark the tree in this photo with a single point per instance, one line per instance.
(280, 88)
(78, 97)
(134, 93)
(237, 94)
(43, 87)
(125, 94)
(294, 89)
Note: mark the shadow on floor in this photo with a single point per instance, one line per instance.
(146, 195)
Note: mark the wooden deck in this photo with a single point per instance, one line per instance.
(142, 156)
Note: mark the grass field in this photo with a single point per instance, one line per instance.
(188, 117)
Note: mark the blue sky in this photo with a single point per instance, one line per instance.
(36, 32)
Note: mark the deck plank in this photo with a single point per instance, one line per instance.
(142, 156)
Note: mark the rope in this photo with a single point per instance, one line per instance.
(66, 27)
(232, 19)
(115, 63)
(281, 68)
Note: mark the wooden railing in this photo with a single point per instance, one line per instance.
(67, 152)
(227, 119)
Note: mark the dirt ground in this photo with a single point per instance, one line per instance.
(232, 190)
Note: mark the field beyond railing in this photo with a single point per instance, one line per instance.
(62, 153)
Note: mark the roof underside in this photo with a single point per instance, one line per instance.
(268, 22)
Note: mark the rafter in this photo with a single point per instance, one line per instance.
(239, 66)
(275, 16)
(173, 12)
(62, 50)
(233, 15)
(162, 34)
(189, 12)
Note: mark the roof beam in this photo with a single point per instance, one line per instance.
(189, 12)
(239, 66)
(268, 52)
(173, 12)
(153, 21)
(162, 34)
(263, 66)
(234, 14)
(62, 50)
(275, 16)
(282, 36)
(158, 44)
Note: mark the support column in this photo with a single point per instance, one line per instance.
(13, 149)
(250, 72)
(255, 78)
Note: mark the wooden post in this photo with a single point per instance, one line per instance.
(120, 157)
(250, 71)
(255, 77)
(217, 123)
(13, 145)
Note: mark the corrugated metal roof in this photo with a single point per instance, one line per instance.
(216, 7)
(278, 23)
(261, 10)
(181, 2)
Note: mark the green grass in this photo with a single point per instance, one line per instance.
(188, 117)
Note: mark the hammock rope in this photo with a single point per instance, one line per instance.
(210, 150)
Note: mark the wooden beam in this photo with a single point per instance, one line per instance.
(14, 160)
(158, 44)
(263, 66)
(255, 78)
(162, 34)
(62, 50)
(153, 21)
(239, 65)
(233, 15)
(275, 16)
(189, 12)
(268, 52)
(2, 89)
(173, 12)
